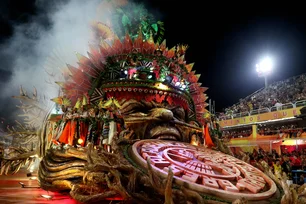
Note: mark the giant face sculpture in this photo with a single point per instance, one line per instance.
(157, 97)
(152, 120)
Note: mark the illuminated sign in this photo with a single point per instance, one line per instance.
(282, 114)
(204, 170)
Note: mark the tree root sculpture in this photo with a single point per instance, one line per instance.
(293, 194)
(17, 159)
(244, 157)
(221, 146)
(92, 174)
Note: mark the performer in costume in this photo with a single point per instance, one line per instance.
(91, 128)
(132, 69)
(70, 132)
(110, 127)
(61, 126)
(106, 127)
(206, 133)
(101, 121)
(65, 106)
(75, 124)
(83, 123)
(67, 135)
(98, 127)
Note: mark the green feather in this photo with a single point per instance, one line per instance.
(125, 20)
(155, 27)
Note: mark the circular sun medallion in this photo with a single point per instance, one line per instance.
(204, 170)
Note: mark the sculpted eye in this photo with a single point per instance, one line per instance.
(179, 113)
(132, 106)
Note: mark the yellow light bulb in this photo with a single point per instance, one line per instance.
(80, 141)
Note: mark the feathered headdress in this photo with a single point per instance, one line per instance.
(150, 79)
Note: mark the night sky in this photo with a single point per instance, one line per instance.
(225, 40)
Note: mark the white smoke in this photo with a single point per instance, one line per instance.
(43, 46)
(38, 49)
(51, 48)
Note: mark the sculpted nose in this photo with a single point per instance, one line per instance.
(161, 114)
(166, 114)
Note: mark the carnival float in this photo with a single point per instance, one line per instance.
(129, 126)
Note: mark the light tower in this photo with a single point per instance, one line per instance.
(264, 68)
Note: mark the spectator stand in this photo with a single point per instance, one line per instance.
(277, 94)
(267, 121)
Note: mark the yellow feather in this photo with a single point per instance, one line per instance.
(100, 105)
(107, 103)
(66, 102)
(58, 100)
(84, 101)
(117, 103)
(78, 104)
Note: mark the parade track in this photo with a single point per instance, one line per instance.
(12, 192)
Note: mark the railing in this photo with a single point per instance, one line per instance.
(274, 108)
(259, 111)
(300, 103)
(288, 106)
(264, 110)
(239, 115)
(283, 107)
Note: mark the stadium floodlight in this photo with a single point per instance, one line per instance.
(264, 68)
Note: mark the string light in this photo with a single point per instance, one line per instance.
(80, 140)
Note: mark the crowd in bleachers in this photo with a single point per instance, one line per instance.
(284, 162)
(288, 130)
(237, 133)
(283, 131)
(275, 95)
